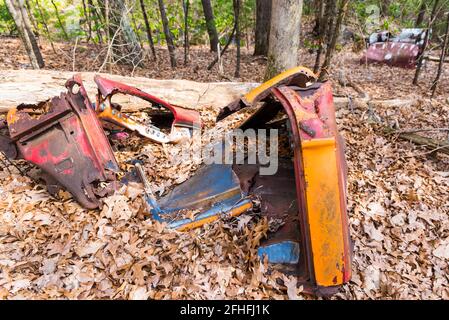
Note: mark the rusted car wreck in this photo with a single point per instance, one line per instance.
(400, 51)
(307, 194)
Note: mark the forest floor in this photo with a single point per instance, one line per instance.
(398, 202)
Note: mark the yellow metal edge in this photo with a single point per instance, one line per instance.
(253, 94)
(324, 210)
(233, 213)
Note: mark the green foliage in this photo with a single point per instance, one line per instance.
(6, 21)
(400, 13)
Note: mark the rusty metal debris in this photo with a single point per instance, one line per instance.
(304, 200)
(183, 121)
(63, 137)
(402, 50)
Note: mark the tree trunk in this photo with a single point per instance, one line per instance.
(284, 36)
(236, 4)
(220, 54)
(66, 36)
(443, 56)
(331, 12)
(333, 41)
(136, 28)
(385, 7)
(319, 13)
(148, 29)
(86, 13)
(322, 29)
(168, 37)
(94, 13)
(29, 28)
(262, 32)
(186, 5)
(20, 16)
(421, 14)
(426, 42)
(32, 19)
(110, 43)
(44, 23)
(210, 25)
(122, 38)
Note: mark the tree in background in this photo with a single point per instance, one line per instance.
(421, 14)
(284, 36)
(96, 18)
(332, 38)
(86, 13)
(18, 12)
(318, 8)
(262, 30)
(384, 7)
(186, 6)
(44, 23)
(236, 4)
(122, 38)
(148, 28)
(429, 26)
(321, 17)
(32, 19)
(210, 25)
(168, 37)
(61, 24)
(442, 58)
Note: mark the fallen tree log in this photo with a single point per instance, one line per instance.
(342, 102)
(428, 143)
(435, 59)
(32, 86)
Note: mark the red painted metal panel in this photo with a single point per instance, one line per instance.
(397, 54)
(64, 138)
(182, 116)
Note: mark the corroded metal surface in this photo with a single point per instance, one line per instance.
(401, 51)
(314, 234)
(183, 121)
(64, 138)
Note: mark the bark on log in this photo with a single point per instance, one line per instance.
(32, 86)
(342, 102)
(428, 143)
(435, 59)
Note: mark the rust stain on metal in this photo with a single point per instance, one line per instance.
(64, 138)
(401, 51)
(183, 121)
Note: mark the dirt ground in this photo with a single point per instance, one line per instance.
(398, 202)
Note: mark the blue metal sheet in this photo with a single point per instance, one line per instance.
(282, 252)
(220, 209)
(214, 190)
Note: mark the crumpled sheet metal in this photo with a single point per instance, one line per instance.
(64, 138)
(307, 194)
(299, 77)
(183, 123)
(213, 193)
(321, 184)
